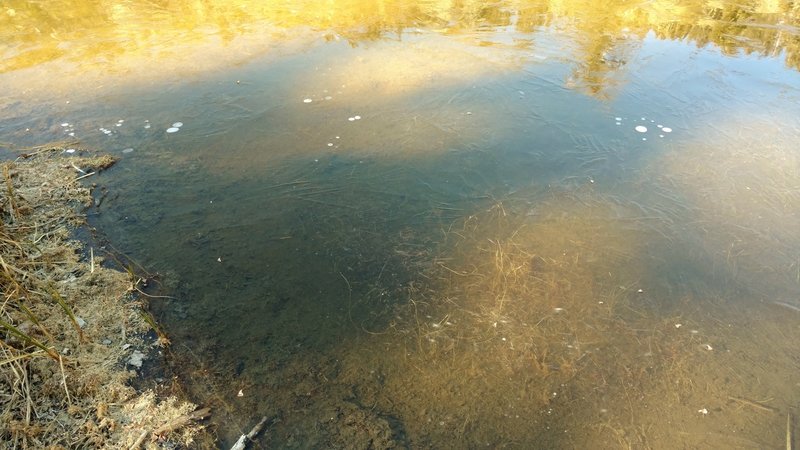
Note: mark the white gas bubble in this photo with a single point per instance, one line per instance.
(619, 123)
(644, 139)
(147, 126)
(127, 150)
(660, 135)
(328, 97)
(667, 130)
(660, 126)
(618, 119)
(307, 100)
(643, 118)
(65, 124)
(641, 129)
(351, 119)
(70, 150)
(330, 144)
(357, 117)
(177, 124)
(71, 134)
(118, 124)
(173, 130)
(121, 120)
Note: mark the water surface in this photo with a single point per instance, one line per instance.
(447, 225)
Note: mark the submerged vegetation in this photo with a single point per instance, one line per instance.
(572, 316)
(69, 324)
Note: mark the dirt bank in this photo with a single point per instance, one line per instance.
(72, 332)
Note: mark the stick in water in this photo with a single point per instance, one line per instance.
(243, 439)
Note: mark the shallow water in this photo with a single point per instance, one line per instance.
(447, 225)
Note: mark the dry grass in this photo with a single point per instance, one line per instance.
(68, 325)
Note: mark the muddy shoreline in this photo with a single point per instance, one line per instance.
(82, 362)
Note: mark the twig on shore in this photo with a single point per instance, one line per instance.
(64, 379)
(183, 420)
(139, 441)
(77, 168)
(84, 176)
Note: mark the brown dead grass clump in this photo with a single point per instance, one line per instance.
(68, 326)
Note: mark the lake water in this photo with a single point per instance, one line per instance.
(432, 224)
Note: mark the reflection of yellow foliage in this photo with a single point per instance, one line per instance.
(122, 35)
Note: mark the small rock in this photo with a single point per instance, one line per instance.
(106, 341)
(136, 359)
(81, 322)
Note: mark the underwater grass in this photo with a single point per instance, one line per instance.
(553, 293)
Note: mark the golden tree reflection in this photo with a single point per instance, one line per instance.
(114, 36)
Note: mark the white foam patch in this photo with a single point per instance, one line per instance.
(173, 130)
(177, 124)
(641, 129)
